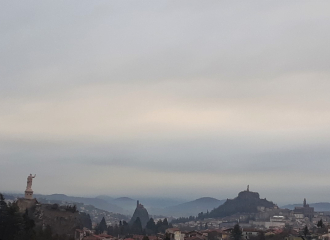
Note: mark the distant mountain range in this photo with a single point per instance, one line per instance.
(64, 199)
(96, 202)
(124, 199)
(105, 197)
(124, 205)
(192, 208)
(158, 206)
(170, 207)
(318, 207)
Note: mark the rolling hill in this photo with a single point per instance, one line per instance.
(191, 208)
(246, 202)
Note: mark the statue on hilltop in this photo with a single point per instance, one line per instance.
(29, 191)
(29, 181)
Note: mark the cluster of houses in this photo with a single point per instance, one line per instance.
(265, 218)
(268, 222)
(87, 234)
(248, 234)
(208, 234)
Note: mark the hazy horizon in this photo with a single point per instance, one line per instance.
(155, 197)
(164, 98)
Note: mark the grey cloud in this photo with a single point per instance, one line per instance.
(167, 45)
(261, 66)
(217, 155)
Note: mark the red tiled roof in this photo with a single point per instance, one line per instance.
(250, 230)
(212, 230)
(152, 237)
(92, 238)
(194, 238)
(194, 231)
(138, 236)
(173, 229)
(105, 235)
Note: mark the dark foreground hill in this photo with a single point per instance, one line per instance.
(245, 202)
(96, 214)
(62, 220)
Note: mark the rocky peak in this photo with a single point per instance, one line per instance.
(248, 195)
(142, 213)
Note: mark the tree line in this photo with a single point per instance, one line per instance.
(200, 216)
(126, 229)
(17, 226)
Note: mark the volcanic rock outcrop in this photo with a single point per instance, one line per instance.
(142, 213)
(245, 202)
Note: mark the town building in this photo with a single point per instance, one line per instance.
(305, 210)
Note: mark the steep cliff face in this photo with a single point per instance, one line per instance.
(248, 195)
(24, 204)
(245, 202)
(61, 219)
(142, 213)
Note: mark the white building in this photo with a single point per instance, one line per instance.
(175, 234)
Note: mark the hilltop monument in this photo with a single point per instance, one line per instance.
(246, 202)
(28, 201)
(29, 191)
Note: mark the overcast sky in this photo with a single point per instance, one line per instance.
(166, 98)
